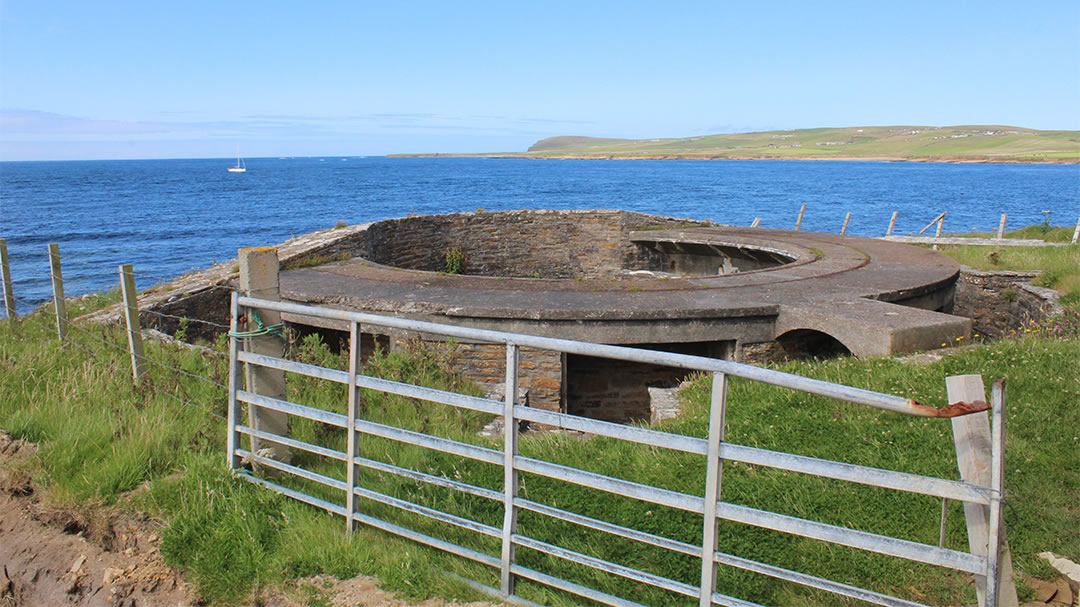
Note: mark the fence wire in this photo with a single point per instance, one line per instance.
(200, 321)
(126, 351)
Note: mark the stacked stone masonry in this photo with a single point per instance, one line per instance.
(518, 244)
(1003, 302)
(540, 372)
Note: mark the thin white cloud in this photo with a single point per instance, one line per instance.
(21, 125)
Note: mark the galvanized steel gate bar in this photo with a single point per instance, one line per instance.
(711, 505)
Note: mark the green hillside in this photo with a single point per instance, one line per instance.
(968, 143)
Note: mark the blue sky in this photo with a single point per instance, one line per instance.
(199, 79)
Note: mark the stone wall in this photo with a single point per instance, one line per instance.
(517, 244)
(620, 391)
(550, 244)
(760, 353)
(202, 315)
(540, 372)
(613, 390)
(1000, 302)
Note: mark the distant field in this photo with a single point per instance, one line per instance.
(970, 143)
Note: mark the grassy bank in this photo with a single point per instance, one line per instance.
(967, 143)
(159, 449)
(1060, 265)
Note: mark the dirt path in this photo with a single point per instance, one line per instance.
(49, 565)
(55, 556)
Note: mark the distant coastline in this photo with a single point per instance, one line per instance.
(982, 144)
(938, 159)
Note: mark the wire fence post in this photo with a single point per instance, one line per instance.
(510, 473)
(5, 275)
(233, 437)
(940, 225)
(1076, 232)
(892, 222)
(131, 317)
(798, 222)
(58, 291)
(354, 410)
(756, 222)
(713, 471)
(975, 457)
(1001, 226)
(259, 278)
(847, 218)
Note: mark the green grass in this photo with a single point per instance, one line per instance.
(107, 444)
(111, 445)
(315, 260)
(1060, 265)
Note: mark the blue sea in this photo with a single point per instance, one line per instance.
(168, 217)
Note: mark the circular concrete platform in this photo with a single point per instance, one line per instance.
(625, 278)
(628, 278)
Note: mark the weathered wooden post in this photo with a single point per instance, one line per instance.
(798, 222)
(847, 218)
(1001, 226)
(940, 225)
(58, 290)
(259, 279)
(892, 222)
(936, 219)
(1076, 232)
(5, 275)
(974, 456)
(131, 317)
(756, 222)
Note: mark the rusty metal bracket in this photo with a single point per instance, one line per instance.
(952, 410)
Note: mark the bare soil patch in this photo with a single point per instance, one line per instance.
(100, 558)
(60, 556)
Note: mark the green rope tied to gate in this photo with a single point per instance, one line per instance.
(263, 330)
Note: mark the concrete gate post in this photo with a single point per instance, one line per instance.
(259, 278)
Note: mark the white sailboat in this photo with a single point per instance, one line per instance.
(239, 168)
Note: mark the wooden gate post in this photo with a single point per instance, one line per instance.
(259, 278)
(973, 455)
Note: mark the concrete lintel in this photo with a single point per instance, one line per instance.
(875, 328)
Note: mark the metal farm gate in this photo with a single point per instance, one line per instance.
(982, 498)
